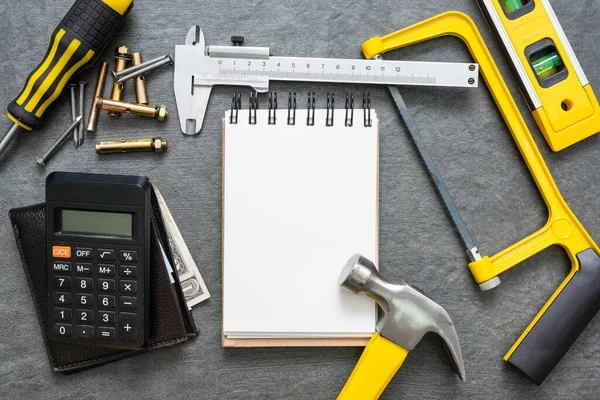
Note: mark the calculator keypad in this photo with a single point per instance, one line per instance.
(96, 295)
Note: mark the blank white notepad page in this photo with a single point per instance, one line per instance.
(298, 202)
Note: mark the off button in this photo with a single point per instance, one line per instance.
(82, 253)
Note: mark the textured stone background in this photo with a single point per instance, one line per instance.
(473, 149)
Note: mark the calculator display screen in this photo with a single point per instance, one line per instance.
(96, 223)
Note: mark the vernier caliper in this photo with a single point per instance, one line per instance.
(199, 67)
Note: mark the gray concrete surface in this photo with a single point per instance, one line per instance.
(474, 151)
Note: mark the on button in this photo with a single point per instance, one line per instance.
(61, 252)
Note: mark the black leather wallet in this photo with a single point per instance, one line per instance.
(170, 320)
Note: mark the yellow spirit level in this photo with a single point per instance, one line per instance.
(558, 93)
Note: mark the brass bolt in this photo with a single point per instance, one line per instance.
(141, 94)
(158, 112)
(99, 92)
(122, 55)
(156, 145)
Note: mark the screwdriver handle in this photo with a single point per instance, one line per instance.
(75, 44)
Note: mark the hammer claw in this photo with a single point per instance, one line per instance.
(446, 331)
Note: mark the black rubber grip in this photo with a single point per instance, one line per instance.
(562, 323)
(92, 23)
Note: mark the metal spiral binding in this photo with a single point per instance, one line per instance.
(272, 108)
(330, 109)
(291, 118)
(236, 104)
(349, 110)
(253, 106)
(310, 110)
(367, 110)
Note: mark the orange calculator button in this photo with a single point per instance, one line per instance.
(61, 252)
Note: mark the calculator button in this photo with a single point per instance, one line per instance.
(106, 317)
(106, 254)
(128, 286)
(128, 255)
(62, 282)
(83, 253)
(105, 332)
(61, 266)
(64, 330)
(106, 269)
(127, 325)
(61, 252)
(62, 298)
(84, 316)
(106, 285)
(129, 271)
(63, 314)
(85, 331)
(83, 268)
(106, 301)
(129, 303)
(84, 283)
(84, 300)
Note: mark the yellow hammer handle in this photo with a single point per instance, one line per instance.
(377, 366)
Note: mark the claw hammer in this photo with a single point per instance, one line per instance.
(573, 305)
(408, 316)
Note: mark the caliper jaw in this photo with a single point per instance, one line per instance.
(191, 99)
(195, 75)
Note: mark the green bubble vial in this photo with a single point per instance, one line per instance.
(547, 65)
(510, 6)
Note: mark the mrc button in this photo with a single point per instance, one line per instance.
(83, 253)
(61, 266)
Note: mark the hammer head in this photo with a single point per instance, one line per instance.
(408, 313)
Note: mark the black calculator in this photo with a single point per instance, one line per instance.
(98, 255)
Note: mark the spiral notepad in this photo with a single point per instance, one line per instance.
(300, 197)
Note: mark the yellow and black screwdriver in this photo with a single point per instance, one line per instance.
(74, 45)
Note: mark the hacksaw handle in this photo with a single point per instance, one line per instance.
(560, 322)
(375, 369)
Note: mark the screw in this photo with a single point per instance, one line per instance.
(59, 142)
(471, 67)
(134, 72)
(81, 110)
(73, 87)
(93, 118)
(158, 112)
(471, 81)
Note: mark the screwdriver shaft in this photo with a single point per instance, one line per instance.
(8, 137)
